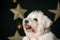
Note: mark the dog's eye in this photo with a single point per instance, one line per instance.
(35, 19)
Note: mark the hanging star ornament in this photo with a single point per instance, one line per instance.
(16, 37)
(56, 12)
(18, 12)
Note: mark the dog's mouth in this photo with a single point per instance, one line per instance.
(28, 27)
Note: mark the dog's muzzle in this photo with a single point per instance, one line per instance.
(27, 25)
(26, 21)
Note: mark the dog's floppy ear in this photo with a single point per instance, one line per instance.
(48, 23)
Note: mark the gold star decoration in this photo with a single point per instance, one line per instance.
(18, 12)
(16, 37)
(56, 12)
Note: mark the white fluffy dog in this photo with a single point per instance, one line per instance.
(36, 27)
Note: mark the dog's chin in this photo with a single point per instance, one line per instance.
(29, 28)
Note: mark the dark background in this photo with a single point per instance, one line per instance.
(8, 25)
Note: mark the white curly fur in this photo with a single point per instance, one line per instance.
(40, 27)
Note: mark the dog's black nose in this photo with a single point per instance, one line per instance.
(26, 21)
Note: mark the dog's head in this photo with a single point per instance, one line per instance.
(35, 23)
